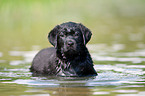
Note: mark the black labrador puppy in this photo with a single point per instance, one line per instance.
(70, 57)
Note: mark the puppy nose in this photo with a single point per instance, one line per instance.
(70, 43)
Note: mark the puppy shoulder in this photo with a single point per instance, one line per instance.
(43, 58)
(45, 55)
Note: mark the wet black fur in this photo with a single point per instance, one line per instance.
(69, 57)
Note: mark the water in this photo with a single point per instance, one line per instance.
(120, 74)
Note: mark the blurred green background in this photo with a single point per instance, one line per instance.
(25, 23)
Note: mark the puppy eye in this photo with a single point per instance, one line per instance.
(76, 33)
(61, 35)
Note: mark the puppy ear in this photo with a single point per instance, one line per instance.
(52, 37)
(86, 33)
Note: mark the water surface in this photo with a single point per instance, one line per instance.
(119, 74)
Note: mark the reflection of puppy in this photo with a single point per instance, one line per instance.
(70, 56)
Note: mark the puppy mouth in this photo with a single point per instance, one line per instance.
(71, 50)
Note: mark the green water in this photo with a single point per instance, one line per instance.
(117, 46)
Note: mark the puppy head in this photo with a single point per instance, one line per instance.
(69, 37)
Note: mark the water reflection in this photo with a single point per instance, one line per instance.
(27, 55)
(1, 54)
